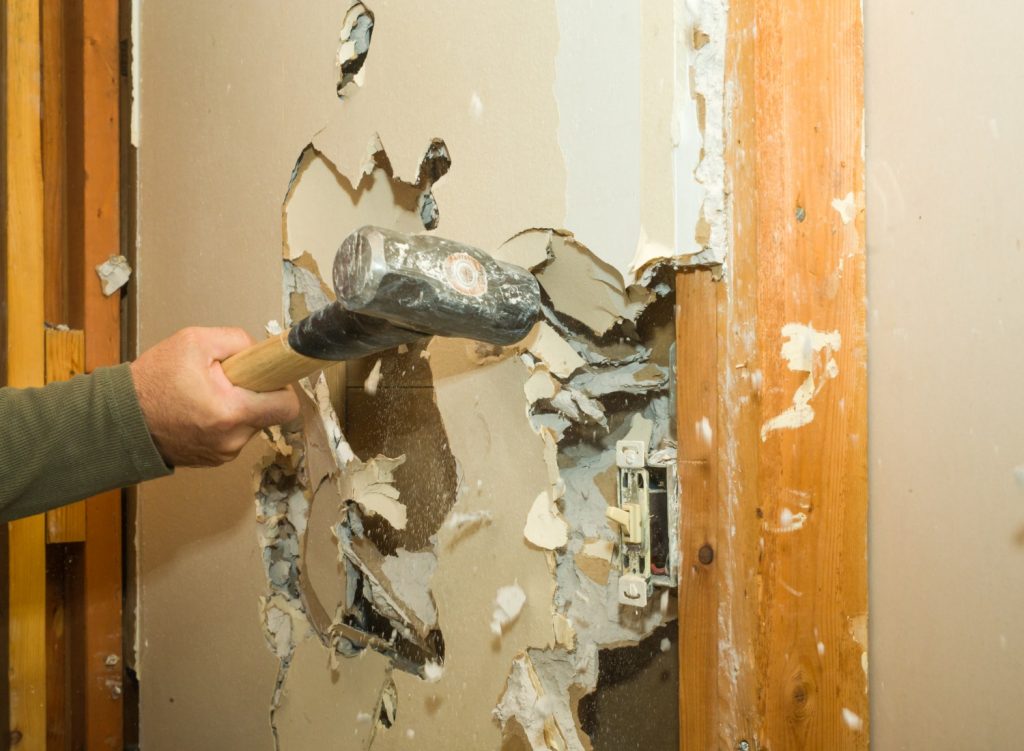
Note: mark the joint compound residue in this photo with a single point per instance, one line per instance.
(807, 351)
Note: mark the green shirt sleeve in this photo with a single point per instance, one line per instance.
(71, 440)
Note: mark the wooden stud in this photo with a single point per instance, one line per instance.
(24, 292)
(104, 662)
(55, 227)
(65, 357)
(697, 405)
(791, 522)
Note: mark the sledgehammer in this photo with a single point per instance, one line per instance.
(393, 289)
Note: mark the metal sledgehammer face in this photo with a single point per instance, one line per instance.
(393, 288)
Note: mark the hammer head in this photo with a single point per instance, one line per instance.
(393, 289)
(435, 286)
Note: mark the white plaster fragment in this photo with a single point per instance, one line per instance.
(373, 380)
(273, 327)
(665, 645)
(847, 207)
(545, 528)
(114, 273)
(432, 671)
(508, 603)
(800, 350)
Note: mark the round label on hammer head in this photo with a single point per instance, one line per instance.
(465, 274)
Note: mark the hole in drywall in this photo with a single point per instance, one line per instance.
(635, 704)
(401, 418)
(353, 47)
(377, 593)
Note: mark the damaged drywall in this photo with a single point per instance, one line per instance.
(582, 380)
(428, 117)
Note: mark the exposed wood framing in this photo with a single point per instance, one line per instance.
(104, 662)
(65, 357)
(24, 292)
(786, 667)
(697, 355)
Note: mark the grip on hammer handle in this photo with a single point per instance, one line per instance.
(270, 365)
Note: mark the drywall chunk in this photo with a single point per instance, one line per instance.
(546, 345)
(524, 701)
(114, 273)
(544, 527)
(540, 385)
(529, 249)
(587, 289)
(409, 575)
(508, 603)
(565, 634)
(374, 491)
(373, 380)
(809, 351)
(847, 207)
(633, 378)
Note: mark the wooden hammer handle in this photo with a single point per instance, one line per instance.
(270, 365)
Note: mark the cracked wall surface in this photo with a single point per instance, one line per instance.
(428, 559)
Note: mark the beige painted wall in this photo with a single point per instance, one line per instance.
(945, 151)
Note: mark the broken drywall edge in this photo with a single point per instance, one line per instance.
(374, 490)
(524, 702)
(508, 603)
(353, 47)
(799, 350)
(409, 575)
(544, 527)
(554, 351)
(114, 273)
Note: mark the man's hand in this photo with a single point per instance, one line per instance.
(196, 416)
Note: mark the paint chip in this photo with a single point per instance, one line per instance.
(544, 527)
(114, 273)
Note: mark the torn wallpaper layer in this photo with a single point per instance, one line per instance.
(429, 559)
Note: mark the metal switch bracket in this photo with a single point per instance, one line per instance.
(646, 515)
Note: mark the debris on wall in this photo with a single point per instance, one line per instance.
(114, 273)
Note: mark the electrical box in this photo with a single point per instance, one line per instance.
(647, 516)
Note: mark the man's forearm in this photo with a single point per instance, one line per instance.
(71, 440)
